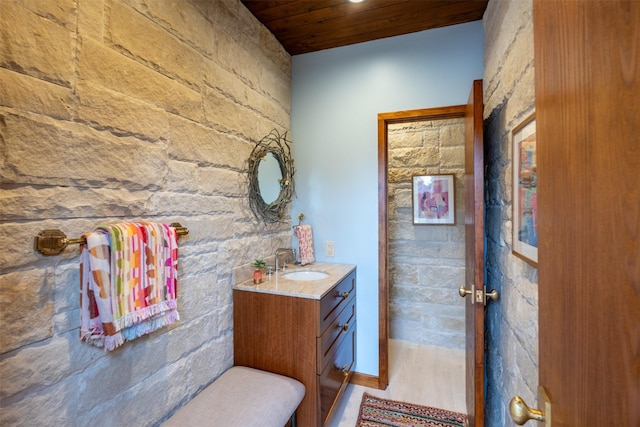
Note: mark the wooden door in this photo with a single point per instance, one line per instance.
(474, 258)
(587, 70)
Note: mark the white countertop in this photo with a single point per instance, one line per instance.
(314, 289)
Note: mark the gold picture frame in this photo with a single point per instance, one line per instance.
(525, 191)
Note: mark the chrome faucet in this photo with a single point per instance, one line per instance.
(292, 257)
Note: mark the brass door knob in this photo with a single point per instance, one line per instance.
(521, 413)
(493, 295)
(464, 291)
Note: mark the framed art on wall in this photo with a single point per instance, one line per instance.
(525, 191)
(433, 200)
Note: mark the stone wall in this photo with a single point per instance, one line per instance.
(122, 110)
(426, 262)
(512, 322)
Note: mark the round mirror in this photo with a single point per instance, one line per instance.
(270, 173)
(269, 178)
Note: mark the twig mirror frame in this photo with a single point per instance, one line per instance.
(280, 147)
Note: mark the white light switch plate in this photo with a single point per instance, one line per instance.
(330, 248)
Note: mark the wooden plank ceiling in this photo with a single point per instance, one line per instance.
(304, 26)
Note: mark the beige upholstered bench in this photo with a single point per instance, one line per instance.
(242, 397)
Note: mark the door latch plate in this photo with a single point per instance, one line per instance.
(480, 296)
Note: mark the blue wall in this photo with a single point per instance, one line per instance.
(336, 97)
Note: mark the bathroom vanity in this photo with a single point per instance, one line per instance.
(304, 329)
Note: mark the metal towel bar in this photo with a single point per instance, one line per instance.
(53, 242)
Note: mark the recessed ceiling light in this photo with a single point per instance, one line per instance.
(355, 1)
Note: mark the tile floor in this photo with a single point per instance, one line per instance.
(424, 375)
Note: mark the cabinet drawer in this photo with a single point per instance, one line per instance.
(336, 332)
(335, 375)
(332, 303)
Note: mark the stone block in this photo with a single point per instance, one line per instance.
(403, 174)
(402, 294)
(32, 148)
(227, 115)
(125, 408)
(27, 301)
(452, 251)
(403, 273)
(405, 139)
(405, 330)
(23, 92)
(269, 108)
(206, 228)
(437, 338)
(447, 318)
(276, 83)
(219, 78)
(182, 176)
(397, 225)
(101, 385)
(200, 265)
(205, 146)
(430, 235)
(452, 133)
(456, 234)
(413, 249)
(66, 282)
(401, 197)
(264, 40)
(36, 46)
(233, 55)
(145, 40)
(188, 334)
(416, 157)
(35, 368)
(444, 295)
(452, 157)
(185, 204)
(71, 202)
(182, 19)
(91, 19)
(263, 126)
(61, 12)
(66, 321)
(223, 182)
(102, 109)
(103, 66)
(211, 360)
(54, 406)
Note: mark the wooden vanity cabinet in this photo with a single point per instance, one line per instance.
(311, 340)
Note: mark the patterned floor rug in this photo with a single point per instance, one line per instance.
(375, 412)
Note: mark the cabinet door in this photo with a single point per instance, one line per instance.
(335, 376)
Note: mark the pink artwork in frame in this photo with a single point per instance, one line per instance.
(433, 200)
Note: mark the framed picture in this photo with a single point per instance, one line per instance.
(525, 191)
(433, 200)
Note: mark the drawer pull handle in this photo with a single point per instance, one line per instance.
(343, 328)
(343, 295)
(344, 371)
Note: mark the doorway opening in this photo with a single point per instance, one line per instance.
(391, 122)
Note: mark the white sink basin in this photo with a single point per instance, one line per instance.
(306, 275)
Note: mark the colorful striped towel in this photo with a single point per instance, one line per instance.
(128, 282)
(305, 243)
